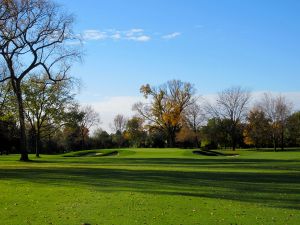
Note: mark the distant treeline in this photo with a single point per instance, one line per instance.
(172, 115)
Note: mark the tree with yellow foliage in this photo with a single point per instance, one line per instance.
(257, 129)
(166, 106)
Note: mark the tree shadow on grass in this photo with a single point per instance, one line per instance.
(164, 161)
(280, 190)
(215, 163)
(213, 153)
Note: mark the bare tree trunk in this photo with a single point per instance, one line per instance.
(82, 140)
(171, 142)
(197, 141)
(256, 143)
(23, 142)
(274, 143)
(37, 143)
(282, 140)
(234, 144)
(233, 138)
(171, 139)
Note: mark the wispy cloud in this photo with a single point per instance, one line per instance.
(94, 35)
(171, 35)
(116, 36)
(142, 38)
(134, 34)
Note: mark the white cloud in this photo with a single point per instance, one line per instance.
(171, 36)
(137, 30)
(94, 35)
(116, 36)
(135, 34)
(142, 38)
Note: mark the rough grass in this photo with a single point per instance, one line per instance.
(152, 186)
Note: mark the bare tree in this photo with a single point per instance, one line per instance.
(277, 110)
(119, 123)
(231, 104)
(195, 116)
(89, 119)
(34, 37)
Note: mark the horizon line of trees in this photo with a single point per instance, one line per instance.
(174, 116)
(171, 116)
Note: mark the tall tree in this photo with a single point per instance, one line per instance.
(257, 129)
(33, 38)
(166, 107)
(119, 123)
(195, 116)
(101, 139)
(45, 104)
(277, 110)
(232, 105)
(293, 127)
(89, 118)
(71, 133)
(8, 127)
(135, 132)
(215, 133)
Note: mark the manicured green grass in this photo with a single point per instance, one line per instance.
(151, 186)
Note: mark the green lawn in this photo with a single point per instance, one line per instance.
(151, 186)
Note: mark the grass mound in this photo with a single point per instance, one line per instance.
(214, 153)
(92, 153)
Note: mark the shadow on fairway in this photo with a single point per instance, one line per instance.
(215, 162)
(272, 188)
(212, 153)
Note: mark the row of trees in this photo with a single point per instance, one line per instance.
(234, 119)
(173, 115)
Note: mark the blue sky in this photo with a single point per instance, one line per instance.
(212, 44)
